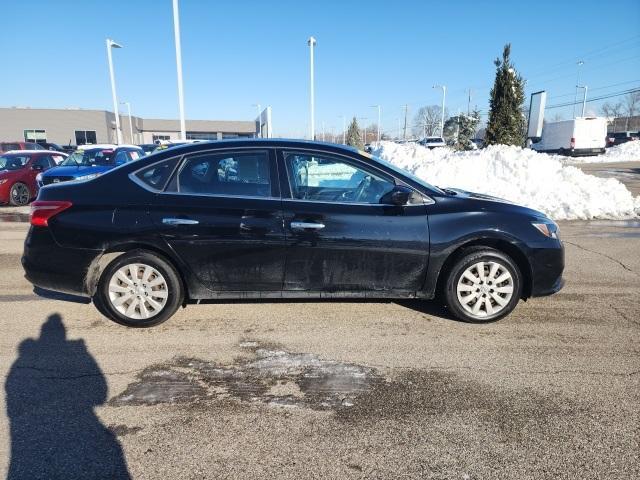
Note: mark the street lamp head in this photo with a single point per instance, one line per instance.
(311, 42)
(113, 44)
(580, 62)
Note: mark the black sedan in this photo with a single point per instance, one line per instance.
(283, 219)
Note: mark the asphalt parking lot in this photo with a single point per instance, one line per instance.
(330, 389)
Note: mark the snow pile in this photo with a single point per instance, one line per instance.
(627, 152)
(525, 177)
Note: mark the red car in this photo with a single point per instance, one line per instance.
(9, 146)
(18, 172)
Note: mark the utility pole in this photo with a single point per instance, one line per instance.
(379, 110)
(344, 129)
(312, 127)
(323, 130)
(579, 63)
(176, 34)
(406, 108)
(469, 104)
(111, 44)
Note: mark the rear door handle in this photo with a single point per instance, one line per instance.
(306, 226)
(179, 221)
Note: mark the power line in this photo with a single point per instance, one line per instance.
(595, 99)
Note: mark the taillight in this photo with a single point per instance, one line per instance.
(573, 142)
(43, 210)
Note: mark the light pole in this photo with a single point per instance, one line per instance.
(579, 63)
(323, 130)
(344, 129)
(130, 122)
(378, 107)
(312, 43)
(176, 34)
(364, 119)
(259, 132)
(444, 95)
(406, 109)
(584, 98)
(111, 44)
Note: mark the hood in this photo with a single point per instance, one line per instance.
(75, 171)
(500, 203)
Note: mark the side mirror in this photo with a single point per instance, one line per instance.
(398, 196)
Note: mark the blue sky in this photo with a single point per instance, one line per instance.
(240, 53)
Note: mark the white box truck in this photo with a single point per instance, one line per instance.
(580, 136)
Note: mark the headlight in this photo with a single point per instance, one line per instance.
(549, 229)
(4, 180)
(87, 177)
(39, 178)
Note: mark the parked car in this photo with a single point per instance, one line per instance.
(18, 171)
(10, 146)
(580, 136)
(618, 138)
(275, 218)
(91, 162)
(51, 146)
(148, 148)
(432, 142)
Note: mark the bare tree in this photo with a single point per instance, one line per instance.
(427, 121)
(631, 104)
(611, 110)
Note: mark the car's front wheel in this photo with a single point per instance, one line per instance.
(138, 289)
(483, 285)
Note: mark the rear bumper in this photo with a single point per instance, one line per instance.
(52, 267)
(583, 152)
(547, 265)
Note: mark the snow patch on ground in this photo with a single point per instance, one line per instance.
(523, 176)
(627, 152)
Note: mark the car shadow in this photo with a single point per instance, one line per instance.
(428, 307)
(65, 297)
(52, 390)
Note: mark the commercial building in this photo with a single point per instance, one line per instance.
(77, 126)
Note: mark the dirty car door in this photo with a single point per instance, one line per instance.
(340, 238)
(221, 214)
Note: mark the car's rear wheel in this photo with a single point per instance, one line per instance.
(19, 195)
(138, 289)
(483, 285)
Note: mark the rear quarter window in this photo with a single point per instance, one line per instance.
(157, 175)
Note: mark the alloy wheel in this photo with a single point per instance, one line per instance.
(138, 291)
(20, 194)
(485, 288)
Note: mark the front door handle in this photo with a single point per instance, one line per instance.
(179, 221)
(306, 226)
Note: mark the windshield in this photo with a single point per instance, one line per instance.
(88, 158)
(13, 162)
(404, 172)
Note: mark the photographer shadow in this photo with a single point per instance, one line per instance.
(51, 392)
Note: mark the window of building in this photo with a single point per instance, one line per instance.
(157, 138)
(202, 136)
(34, 135)
(86, 137)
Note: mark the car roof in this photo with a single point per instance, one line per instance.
(263, 142)
(31, 152)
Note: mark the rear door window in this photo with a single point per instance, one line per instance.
(246, 174)
(157, 175)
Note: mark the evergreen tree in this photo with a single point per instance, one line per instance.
(506, 120)
(459, 131)
(353, 135)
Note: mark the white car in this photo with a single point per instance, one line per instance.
(433, 142)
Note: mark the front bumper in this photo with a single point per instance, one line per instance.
(52, 267)
(547, 265)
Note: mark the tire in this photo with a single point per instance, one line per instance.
(487, 300)
(19, 195)
(125, 296)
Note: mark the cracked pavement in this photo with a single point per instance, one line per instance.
(550, 392)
